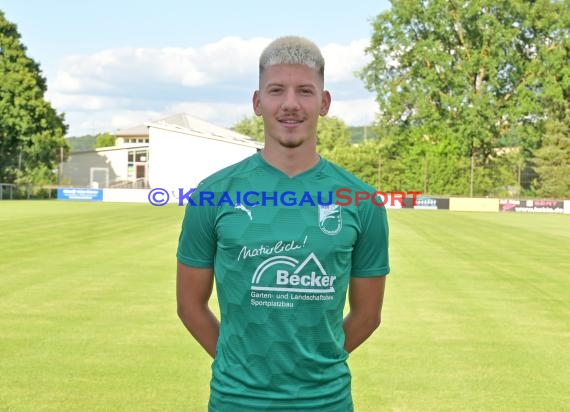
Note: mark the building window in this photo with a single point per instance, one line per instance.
(140, 156)
(137, 164)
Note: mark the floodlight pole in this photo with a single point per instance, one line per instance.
(472, 173)
(60, 172)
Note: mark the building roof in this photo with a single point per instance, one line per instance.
(139, 130)
(121, 147)
(184, 123)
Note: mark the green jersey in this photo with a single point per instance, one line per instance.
(283, 251)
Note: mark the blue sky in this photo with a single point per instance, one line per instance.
(115, 64)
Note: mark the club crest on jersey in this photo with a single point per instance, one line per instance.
(330, 219)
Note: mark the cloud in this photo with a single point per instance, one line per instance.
(222, 114)
(114, 70)
(110, 88)
(88, 102)
(356, 112)
(82, 123)
(343, 61)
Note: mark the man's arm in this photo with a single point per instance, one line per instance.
(193, 290)
(365, 297)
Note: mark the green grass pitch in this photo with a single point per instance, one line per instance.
(476, 314)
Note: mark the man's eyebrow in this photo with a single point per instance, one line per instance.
(311, 85)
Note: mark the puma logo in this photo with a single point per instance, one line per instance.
(244, 209)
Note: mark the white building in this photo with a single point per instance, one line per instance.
(175, 152)
(184, 150)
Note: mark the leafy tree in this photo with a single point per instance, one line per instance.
(455, 80)
(360, 133)
(553, 160)
(251, 126)
(31, 132)
(105, 140)
(332, 133)
(82, 143)
(362, 160)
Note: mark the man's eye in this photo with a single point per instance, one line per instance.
(274, 90)
(306, 92)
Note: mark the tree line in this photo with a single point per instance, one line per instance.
(473, 99)
(31, 131)
(475, 92)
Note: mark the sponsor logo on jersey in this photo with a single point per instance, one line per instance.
(286, 274)
(330, 219)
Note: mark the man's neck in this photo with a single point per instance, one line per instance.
(291, 161)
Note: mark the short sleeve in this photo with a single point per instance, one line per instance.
(197, 241)
(370, 254)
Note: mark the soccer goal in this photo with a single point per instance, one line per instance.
(99, 177)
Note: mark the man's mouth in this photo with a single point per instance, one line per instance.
(290, 122)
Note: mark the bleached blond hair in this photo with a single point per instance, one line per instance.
(293, 50)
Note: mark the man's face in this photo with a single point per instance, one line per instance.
(290, 99)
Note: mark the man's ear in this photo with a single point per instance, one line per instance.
(256, 103)
(325, 103)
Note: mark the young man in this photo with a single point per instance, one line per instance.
(284, 253)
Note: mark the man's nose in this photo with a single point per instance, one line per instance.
(290, 100)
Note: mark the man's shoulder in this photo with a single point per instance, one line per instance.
(218, 179)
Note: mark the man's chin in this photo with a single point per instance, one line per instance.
(291, 144)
